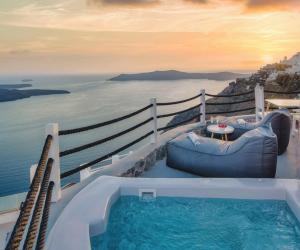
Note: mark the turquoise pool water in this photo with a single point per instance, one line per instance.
(187, 223)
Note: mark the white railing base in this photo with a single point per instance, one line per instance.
(52, 129)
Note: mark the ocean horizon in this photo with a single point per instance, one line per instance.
(92, 99)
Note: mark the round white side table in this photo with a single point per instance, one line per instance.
(215, 129)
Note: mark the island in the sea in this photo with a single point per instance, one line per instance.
(12, 92)
(27, 80)
(170, 75)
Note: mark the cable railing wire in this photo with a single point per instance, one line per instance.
(180, 123)
(179, 112)
(102, 124)
(281, 92)
(232, 95)
(25, 211)
(286, 108)
(104, 140)
(178, 102)
(230, 103)
(86, 165)
(231, 111)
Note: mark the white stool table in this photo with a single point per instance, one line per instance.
(215, 129)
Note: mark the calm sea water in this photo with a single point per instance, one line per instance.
(199, 224)
(92, 99)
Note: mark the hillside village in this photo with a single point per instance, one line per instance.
(283, 76)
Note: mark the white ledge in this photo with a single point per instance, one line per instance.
(88, 212)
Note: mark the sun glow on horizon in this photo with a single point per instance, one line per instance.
(73, 36)
(267, 59)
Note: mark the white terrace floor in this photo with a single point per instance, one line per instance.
(288, 165)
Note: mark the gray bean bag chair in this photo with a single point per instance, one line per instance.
(253, 155)
(280, 121)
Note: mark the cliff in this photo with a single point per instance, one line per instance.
(283, 76)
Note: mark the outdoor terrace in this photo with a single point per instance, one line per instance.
(147, 161)
(288, 165)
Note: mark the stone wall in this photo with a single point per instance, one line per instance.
(147, 162)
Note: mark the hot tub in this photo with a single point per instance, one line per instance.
(245, 203)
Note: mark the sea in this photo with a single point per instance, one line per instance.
(93, 99)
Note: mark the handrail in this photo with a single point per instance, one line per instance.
(36, 216)
(239, 94)
(179, 112)
(25, 211)
(84, 166)
(102, 124)
(231, 111)
(101, 141)
(41, 240)
(230, 103)
(180, 123)
(178, 102)
(294, 108)
(284, 93)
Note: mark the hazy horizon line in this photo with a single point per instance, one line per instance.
(126, 72)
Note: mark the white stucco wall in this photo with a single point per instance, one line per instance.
(88, 212)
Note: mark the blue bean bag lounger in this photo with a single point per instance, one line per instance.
(280, 121)
(253, 155)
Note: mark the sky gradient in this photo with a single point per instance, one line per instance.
(112, 36)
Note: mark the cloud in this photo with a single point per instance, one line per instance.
(197, 1)
(256, 5)
(123, 2)
(272, 5)
(19, 52)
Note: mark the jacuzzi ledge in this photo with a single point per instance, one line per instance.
(88, 212)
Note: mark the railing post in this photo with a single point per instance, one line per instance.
(154, 122)
(115, 158)
(202, 107)
(32, 171)
(52, 129)
(259, 102)
(85, 173)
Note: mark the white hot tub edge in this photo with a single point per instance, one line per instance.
(88, 212)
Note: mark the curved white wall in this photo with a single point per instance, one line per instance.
(87, 213)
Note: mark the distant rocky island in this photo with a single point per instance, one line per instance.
(171, 75)
(13, 92)
(27, 80)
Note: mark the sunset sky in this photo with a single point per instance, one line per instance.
(110, 36)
